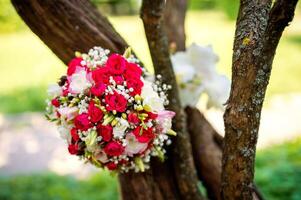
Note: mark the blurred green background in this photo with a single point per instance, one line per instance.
(27, 66)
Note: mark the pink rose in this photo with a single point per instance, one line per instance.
(106, 132)
(133, 145)
(133, 118)
(136, 84)
(73, 149)
(68, 112)
(73, 64)
(94, 112)
(55, 102)
(111, 166)
(116, 102)
(98, 89)
(146, 136)
(114, 149)
(116, 64)
(74, 134)
(82, 122)
(118, 79)
(101, 75)
(132, 71)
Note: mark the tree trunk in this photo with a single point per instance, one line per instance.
(174, 22)
(258, 31)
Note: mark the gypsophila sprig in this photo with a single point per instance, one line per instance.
(109, 113)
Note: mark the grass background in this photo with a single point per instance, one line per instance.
(278, 175)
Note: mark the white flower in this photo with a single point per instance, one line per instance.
(151, 98)
(68, 113)
(64, 132)
(218, 90)
(54, 90)
(79, 82)
(183, 69)
(191, 93)
(120, 128)
(133, 146)
(203, 77)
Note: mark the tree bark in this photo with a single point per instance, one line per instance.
(68, 26)
(152, 12)
(258, 30)
(174, 22)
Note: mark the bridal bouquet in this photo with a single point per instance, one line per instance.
(109, 113)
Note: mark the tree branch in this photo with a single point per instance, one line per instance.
(152, 16)
(66, 26)
(258, 31)
(174, 22)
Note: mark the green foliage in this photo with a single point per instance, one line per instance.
(278, 171)
(229, 7)
(23, 99)
(278, 175)
(53, 187)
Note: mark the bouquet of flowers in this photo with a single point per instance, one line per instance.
(109, 113)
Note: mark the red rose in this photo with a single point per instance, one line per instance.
(132, 71)
(101, 75)
(118, 79)
(146, 136)
(116, 64)
(98, 89)
(75, 62)
(111, 166)
(116, 102)
(82, 122)
(106, 132)
(114, 149)
(74, 134)
(136, 84)
(133, 118)
(151, 116)
(55, 102)
(94, 112)
(73, 149)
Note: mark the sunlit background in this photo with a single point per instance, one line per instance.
(34, 162)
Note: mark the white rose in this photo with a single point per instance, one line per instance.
(133, 146)
(79, 82)
(151, 98)
(54, 90)
(120, 128)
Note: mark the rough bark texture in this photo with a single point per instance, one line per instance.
(207, 153)
(68, 26)
(174, 22)
(183, 165)
(258, 31)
